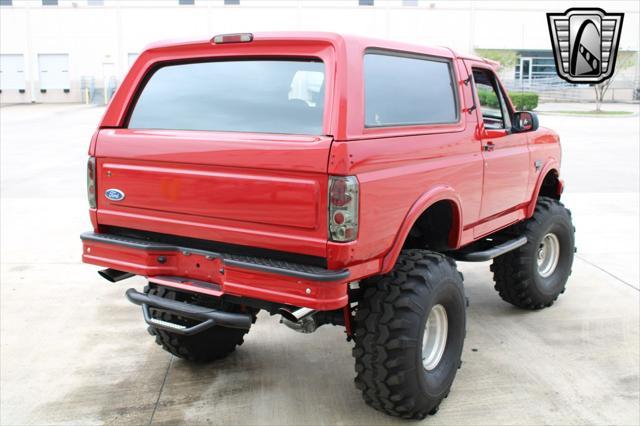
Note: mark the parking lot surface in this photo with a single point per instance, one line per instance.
(74, 351)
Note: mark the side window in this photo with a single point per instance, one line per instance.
(493, 106)
(408, 90)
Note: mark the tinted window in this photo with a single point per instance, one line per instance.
(238, 96)
(406, 90)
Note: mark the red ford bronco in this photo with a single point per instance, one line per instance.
(329, 180)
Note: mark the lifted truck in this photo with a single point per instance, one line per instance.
(328, 179)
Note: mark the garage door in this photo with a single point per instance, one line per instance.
(54, 71)
(12, 72)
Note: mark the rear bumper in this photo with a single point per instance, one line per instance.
(216, 273)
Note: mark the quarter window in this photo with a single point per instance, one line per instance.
(408, 90)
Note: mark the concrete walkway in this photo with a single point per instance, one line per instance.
(74, 351)
(550, 107)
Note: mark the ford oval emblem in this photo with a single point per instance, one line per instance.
(114, 194)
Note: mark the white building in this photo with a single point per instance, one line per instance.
(60, 50)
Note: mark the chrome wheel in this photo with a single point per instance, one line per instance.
(548, 255)
(435, 337)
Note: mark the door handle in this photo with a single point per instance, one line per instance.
(489, 146)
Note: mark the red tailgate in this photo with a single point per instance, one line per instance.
(235, 188)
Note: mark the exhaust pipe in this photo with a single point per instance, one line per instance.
(300, 320)
(296, 315)
(113, 275)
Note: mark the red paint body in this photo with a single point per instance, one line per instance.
(270, 191)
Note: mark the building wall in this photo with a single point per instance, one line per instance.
(101, 40)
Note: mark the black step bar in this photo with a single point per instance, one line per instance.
(489, 253)
(210, 317)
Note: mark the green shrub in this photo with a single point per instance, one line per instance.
(488, 97)
(524, 101)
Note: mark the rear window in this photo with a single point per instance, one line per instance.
(272, 96)
(408, 90)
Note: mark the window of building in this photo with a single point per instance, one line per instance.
(186, 2)
(493, 106)
(6, 3)
(408, 90)
(535, 65)
(409, 2)
(535, 68)
(95, 2)
(49, 2)
(231, 2)
(265, 96)
(365, 2)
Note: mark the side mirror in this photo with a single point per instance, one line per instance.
(525, 121)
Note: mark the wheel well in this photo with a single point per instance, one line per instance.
(549, 187)
(435, 229)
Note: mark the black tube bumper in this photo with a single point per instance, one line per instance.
(209, 317)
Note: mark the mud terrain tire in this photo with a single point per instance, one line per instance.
(390, 327)
(521, 276)
(211, 344)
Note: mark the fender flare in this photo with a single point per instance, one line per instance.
(551, 166)
(426, 200)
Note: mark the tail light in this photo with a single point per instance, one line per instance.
(91, 182)
(343, 208)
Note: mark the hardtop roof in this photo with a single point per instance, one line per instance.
(336, 39)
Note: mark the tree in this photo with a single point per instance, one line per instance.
(625, 60)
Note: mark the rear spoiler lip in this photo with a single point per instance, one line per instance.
(280, 267)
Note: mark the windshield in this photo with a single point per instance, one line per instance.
(272, 96)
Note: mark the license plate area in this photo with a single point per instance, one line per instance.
(196, 269)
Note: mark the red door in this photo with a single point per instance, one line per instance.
(505, 153)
